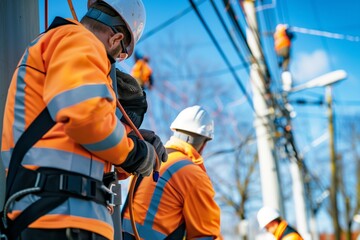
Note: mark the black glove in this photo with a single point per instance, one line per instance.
(153, 139)
(147, 165)
(127, 86)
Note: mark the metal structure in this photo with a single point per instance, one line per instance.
(19, 24)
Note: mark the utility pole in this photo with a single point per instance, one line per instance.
(270, 183)
(333, 165)
(297, 169)
(19, 24)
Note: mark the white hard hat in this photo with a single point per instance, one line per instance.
(133, 13)
(194, 119)
(267, 214)
(281, 27)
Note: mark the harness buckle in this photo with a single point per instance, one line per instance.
(110, 195)
(78, 185)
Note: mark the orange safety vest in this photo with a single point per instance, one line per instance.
(285, 232)
(67, 70)
(281, 39)
(141, 71)
(183, 195)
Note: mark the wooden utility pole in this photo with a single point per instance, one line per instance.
(333, 165)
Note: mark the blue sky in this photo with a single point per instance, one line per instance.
(312, 55)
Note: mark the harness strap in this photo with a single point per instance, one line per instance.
(287, 231)
(41, 125)
(33, 212)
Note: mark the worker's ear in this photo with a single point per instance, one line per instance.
(114, 40)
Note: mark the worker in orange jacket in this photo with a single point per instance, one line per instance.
(142, 72)
(181, 204)
(282, 42)
(64, 82)
(269, 218)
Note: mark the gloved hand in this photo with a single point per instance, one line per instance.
(153, 139)
(147, 165)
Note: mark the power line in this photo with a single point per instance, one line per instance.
(223, 55)
(168, 22)
(324, 42)
(242, 59)
(325, 34)
(238, 29)
(206, 74)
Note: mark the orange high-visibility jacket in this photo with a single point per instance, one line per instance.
(285, 232)
(141, 71)
(67, 70)
(183, 194)
(281, 39)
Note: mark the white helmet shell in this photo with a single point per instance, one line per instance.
(133, 13)
(194, 119)
(265, 215)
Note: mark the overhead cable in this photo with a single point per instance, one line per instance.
(242, 59)
(206, 74)
(168, 22)
(236, 24)
(232, 70)
(255, 33)
(326, 34)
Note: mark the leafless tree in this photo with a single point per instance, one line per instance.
(349, 173)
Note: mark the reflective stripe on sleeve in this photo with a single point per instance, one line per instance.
(77, 95)
(112, 140)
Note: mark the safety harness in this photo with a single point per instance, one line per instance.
(53, 186)
(288, 230)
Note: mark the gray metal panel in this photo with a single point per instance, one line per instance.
(19, 24)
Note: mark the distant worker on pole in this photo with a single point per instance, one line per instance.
(181, 204)
(142, 72)
(282, 41)
(269, 218)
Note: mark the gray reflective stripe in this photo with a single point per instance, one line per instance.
(19, 106)
(77, 95)
(118, 113)
(73, 206)
(145, 232)
(47, 157)
(205, 238)
(5, 157)
(112, 140)
(159, 190)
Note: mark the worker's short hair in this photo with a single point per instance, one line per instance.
(98, 26)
